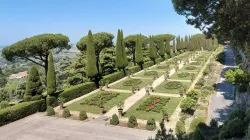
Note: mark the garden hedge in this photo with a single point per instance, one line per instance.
(134, 69)
(148, 64)
(158, 60)
(21, 110)
(76, 91)
(112, 78)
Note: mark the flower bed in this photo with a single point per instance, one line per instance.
(173, 85)
(191, 68)
(183, 74)
(154, 104)
(132, 82)
(100, 99)
(150, 73)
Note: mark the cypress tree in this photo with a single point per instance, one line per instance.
(178, 43)
(91, 69)
(168, 51)
(138, 52)
(174, 47)
(121, 56)
(51, 76)
(3, 79)
(152, 49)
(34, 87)
(124, 53)
(161, 50)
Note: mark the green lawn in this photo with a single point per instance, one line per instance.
(76, 106)
(175, 76)
(169, 107)
(148, 76)
(161, 88)
(120, 85)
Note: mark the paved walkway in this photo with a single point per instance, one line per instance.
(40, 127)
(222, 102)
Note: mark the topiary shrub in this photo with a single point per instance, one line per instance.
(180, 129)
(50, 111)
(173, 85)
(195, 63)
(187, 104)
(133, 82)
(198, 135)
(114, 120)
(193, 94)
(237, 113)
(132, 122)
(4, 104)
(195, 123)
(83, 115)
(151, 124)
(66, 113)
(51, 101)
(236, 127)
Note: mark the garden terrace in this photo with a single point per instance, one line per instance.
(128, 82)
(172, 87)
(92, 103)
(152, 106)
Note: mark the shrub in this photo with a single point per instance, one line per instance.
(19, 111)
(187, 104)
(51, 101)
(173, 85)
(214, 138)
(210, 88)
(76, 91)
(180, 129)
(132, 122)
(193, 94)
(213, 123)
(112, 78)
(151, 124)
(4, 104)
(66, 113)
(201, 82)
(196, 122)
(114, 120)
(237, 113)
(158, 60)
(183, 74)
(236, 127)
(134, 69)
(83, 115)
(50, 111)
(198, 135)
(224, 133)
(150, 73)
(148, 64)
(132, 82)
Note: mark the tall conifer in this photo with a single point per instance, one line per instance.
(138, 52)
(51, 76)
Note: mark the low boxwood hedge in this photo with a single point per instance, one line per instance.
(132, 82)
(148, 64)
(112, 78)
(21, 110)
(158, 60)
(76, 91)
(134, 69)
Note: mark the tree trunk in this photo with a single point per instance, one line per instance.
(124, 71)
(96, 80)
(46, 69)
(141, 66)
(154, 61)
(134, 57)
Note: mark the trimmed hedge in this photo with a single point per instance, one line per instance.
(112, 77)
(158, 60)
(76, 91)
(148, 64)
(134, 69)
(21, 110)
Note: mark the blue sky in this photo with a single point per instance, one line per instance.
(25, 18)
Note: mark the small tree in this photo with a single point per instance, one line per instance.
(168, 49)
(151, 124)
(236, 127)
(50, 111)
(162, 49)
(83, 115)
(114, 120)
(180, 129)
(34, 87)
(51, 76)
(197, 135)
(152, 49)
(132, 122)
(3, 79)
(121, 56)
(187, 104)
(193, 94)
(138, 52)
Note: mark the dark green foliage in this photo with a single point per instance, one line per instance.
(195, 123)
(51, 101)
(197, 135)
(236, 127)
(132, 122)
(152, 49)
(162, 49)
(214, 138)
(4, 104)
(248, 133)
(224, 133)
(132, 82)
(91, 69)
(237, 113)
(114, 120)
(112, 78)
(180, 129)
(50, 111)
(83, 115)
(4, 95)
(19, 111)
(76, 91)
(148, 64)
(158, 60)
(193, 94)
(138, 52)
(34, 87)
(151, 124)
(121, 57)
(100, 99)
(51, 76)
(247, 118)
(154, 104)
(3, 79)
(221, 57)
(168, 49)
(213, 123)
(162, 133)
(66, 113)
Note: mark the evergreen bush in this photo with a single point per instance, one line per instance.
(4, 104)
(187, 104)
(51, 101)
(180, 129)
(151, 124)
(66, 113)
(132, 122)
(198, 135)
(83, 115)
(50, 111)
(51, 76)
(114, 120)
(237, 113)
(112, 77)
(193, 94)
(236, 127)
